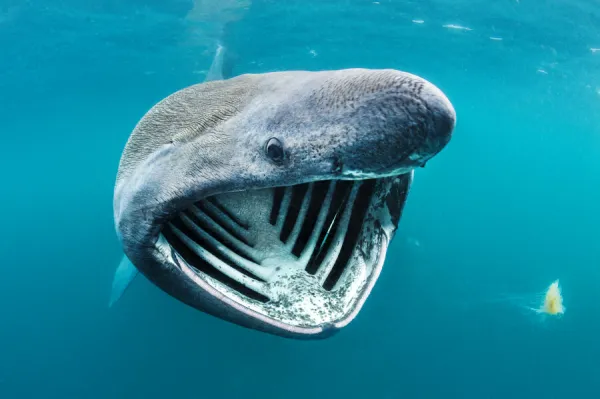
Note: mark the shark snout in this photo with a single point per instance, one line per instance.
(443, 122)
(399, 132)
(444, 116)
(439, 121)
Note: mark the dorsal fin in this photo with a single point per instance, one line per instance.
(215, 71)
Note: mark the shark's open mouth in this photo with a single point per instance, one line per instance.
(303, 256)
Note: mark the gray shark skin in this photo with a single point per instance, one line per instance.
(269, 200)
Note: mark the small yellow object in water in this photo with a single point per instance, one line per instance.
(553, 301)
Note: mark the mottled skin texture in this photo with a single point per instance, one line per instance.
(210, 138)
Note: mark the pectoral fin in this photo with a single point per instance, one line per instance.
(124, 275)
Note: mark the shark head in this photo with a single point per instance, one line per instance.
(269, 200)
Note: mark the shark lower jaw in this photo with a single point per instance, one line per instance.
(296, 261)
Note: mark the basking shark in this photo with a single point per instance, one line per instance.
(269, 200)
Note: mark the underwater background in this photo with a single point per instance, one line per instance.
(509, 206)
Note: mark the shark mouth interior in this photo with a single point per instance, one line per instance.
(302, 256)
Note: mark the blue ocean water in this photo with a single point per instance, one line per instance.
(508, 207)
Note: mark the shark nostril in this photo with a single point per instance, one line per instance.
(337, 166)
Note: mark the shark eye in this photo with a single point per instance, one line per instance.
(274, 150)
